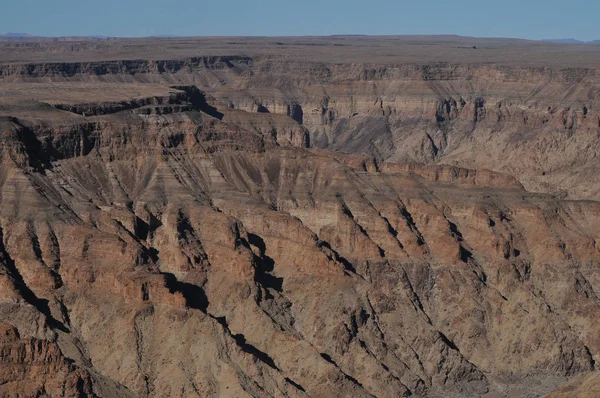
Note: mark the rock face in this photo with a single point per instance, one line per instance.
(539, 124)
(582, 386)
(217, 241)
(32, 367)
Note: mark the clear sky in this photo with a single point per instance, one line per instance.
(530, 19)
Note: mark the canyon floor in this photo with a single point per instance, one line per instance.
(344, 216)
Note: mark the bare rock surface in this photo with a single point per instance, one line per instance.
(586, 385)
(239, 226)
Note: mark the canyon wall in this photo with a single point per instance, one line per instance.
(272, 228)
(539, 124)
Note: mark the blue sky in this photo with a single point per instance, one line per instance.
(531, 19)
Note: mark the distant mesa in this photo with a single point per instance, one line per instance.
(571, 41)
(11, 35)
(15, 35)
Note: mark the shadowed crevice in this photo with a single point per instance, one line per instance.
(295, 112)
(194, 295)
(337, 257)
(448, 342)
(241, 342)
(292, 382)
(198, 100)
(38, 156)
(464, 254)
(592, 362)
(145, 230)
(261, 109)
(412, 225)
(331, 361)
(264, 265)
(454, 230)
(28, 295)
(349, 214)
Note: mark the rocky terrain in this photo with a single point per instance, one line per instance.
(253, 222)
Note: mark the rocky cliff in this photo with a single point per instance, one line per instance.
(539, 124)
(292, 229)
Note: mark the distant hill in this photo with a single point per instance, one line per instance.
(15, 35)
(100, 37)
(571, 41)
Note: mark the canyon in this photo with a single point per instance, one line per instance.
(299, 217)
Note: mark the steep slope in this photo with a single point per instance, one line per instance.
(207, 252)
(537, 123)
(291, 217)
(582, 386)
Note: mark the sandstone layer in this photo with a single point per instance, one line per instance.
(261, 227)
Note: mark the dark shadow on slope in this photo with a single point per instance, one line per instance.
(390, 229)
(337, 257)
(292, 382)
(592, 362)
(38, 254)
(241, 342)
(465, 254)
(153, 254)
(261, 109)
(331, 361)
(240, 339)
(257, 241)
(411, 224)
(348, 213)
(143, 229)
(455, 231)
(183, 225)
(269, 281)
(194, 295)
(448, 342)
(198, 100)
(264, 265)
(28, 295)
(295, 112)
(328, 359)
(37, 156)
